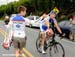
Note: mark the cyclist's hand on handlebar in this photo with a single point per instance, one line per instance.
(62, 35)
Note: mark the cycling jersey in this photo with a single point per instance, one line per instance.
(43, 26)
(52, 25)
(51, 21)
(17, 26)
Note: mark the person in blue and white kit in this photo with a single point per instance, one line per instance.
(53, 22)
(17, 30)
(48, 25)
(44, 27)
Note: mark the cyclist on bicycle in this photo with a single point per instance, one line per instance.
(17, 25)
(48, 25)
(53, 22)
(44, 26)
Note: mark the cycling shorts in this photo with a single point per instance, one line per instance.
(43, 28)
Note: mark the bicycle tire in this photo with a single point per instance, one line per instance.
(38, 43)
(56, 49)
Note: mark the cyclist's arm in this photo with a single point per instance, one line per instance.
(39, 19)
(47, 23)
(57, 27)
(27, 21)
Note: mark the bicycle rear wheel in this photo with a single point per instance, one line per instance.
(38, 43)
(57, 50)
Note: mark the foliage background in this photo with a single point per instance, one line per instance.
(66, 7)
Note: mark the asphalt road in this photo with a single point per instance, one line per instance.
(30, 50)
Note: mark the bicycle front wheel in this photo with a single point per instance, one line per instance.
(57, 50)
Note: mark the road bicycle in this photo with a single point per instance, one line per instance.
(55, 48)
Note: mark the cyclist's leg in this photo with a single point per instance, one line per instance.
(43, 38)
(50, 32)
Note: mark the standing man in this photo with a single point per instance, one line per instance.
(17, 25)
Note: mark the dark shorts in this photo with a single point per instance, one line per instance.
(19, 43)
(44, 27)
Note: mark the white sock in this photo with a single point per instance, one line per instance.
(42, 48)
